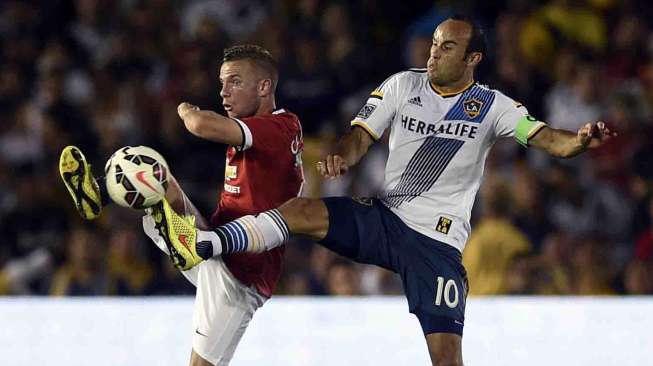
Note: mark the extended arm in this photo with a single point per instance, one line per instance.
(565, 144)
(210, 125)
(349, 150)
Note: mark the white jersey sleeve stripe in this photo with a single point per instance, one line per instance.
(247, 136)
(367, 128)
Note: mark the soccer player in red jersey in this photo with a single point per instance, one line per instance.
(263, 170)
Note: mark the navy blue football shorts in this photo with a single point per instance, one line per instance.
(433, 277)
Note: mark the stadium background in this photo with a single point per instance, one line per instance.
(101, 74)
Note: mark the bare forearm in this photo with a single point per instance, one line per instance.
(210, 125)
(565, 144)
(558, 143)
(349, 150)
(353, 146)
(199, 122)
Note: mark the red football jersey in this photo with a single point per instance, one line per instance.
(260, 175)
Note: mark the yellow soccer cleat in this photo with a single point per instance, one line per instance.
(179, 233)
(78, 178)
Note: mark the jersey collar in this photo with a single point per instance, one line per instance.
(450, 94)
(279, 110)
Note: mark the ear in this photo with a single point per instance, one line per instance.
(264, 87)
(474, 58)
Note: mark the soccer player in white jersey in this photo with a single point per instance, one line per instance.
(442, 125)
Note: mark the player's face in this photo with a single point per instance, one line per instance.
(447, 62)
(240, 82)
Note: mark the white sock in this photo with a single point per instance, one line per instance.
(253, 234)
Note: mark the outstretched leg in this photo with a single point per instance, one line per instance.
(270, 229)
(250, 233)
(306, 216)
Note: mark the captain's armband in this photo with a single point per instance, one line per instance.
(526, 128)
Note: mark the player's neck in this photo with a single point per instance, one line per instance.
(266, 107)
(453, 88)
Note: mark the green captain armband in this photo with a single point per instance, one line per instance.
(526, 128)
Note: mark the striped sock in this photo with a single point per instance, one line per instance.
(253, 234)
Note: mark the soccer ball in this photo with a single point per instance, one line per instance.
(136, 177)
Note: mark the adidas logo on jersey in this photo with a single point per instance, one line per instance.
(415, 100)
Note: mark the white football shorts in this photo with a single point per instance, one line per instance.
(223, 305)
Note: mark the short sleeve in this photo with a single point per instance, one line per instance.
(514, 121)
(379, 110)
(247, 135)
(261, 133)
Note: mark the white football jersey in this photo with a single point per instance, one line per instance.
(438, 146)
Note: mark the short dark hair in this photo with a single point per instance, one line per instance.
(477, 41)
(257, 54)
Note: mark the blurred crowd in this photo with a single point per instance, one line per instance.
(102, 74)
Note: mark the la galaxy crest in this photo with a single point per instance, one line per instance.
(472, 107)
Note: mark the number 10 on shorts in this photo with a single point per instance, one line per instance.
(447, 290)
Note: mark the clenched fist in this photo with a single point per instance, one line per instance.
(184, 108)
(591, 135)
(333, 166)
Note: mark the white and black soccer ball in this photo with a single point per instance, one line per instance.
(136, 177)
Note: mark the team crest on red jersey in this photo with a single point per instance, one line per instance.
(296, 148)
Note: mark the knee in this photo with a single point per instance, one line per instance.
(446, 357)
(296, 206)
(306, 216)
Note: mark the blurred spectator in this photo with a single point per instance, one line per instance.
(35, 222)
(582, 211)
(306, 88)
(375, 281)
(17, 274)
(557, 22)
(494, 243)
(571, 103)
(626, 112)
(638, 278)
(591, 270)
(626, 54)
(296, 283)
(529, 211)
(553, 270)
(644, 242)
(320, 262)
(520, 276)
(239, 18)
(342, 279)
(168, 280)
(84, 271)
(129, 271)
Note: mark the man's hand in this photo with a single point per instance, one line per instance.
(591, 136)
(184, 108)
(333, 166)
